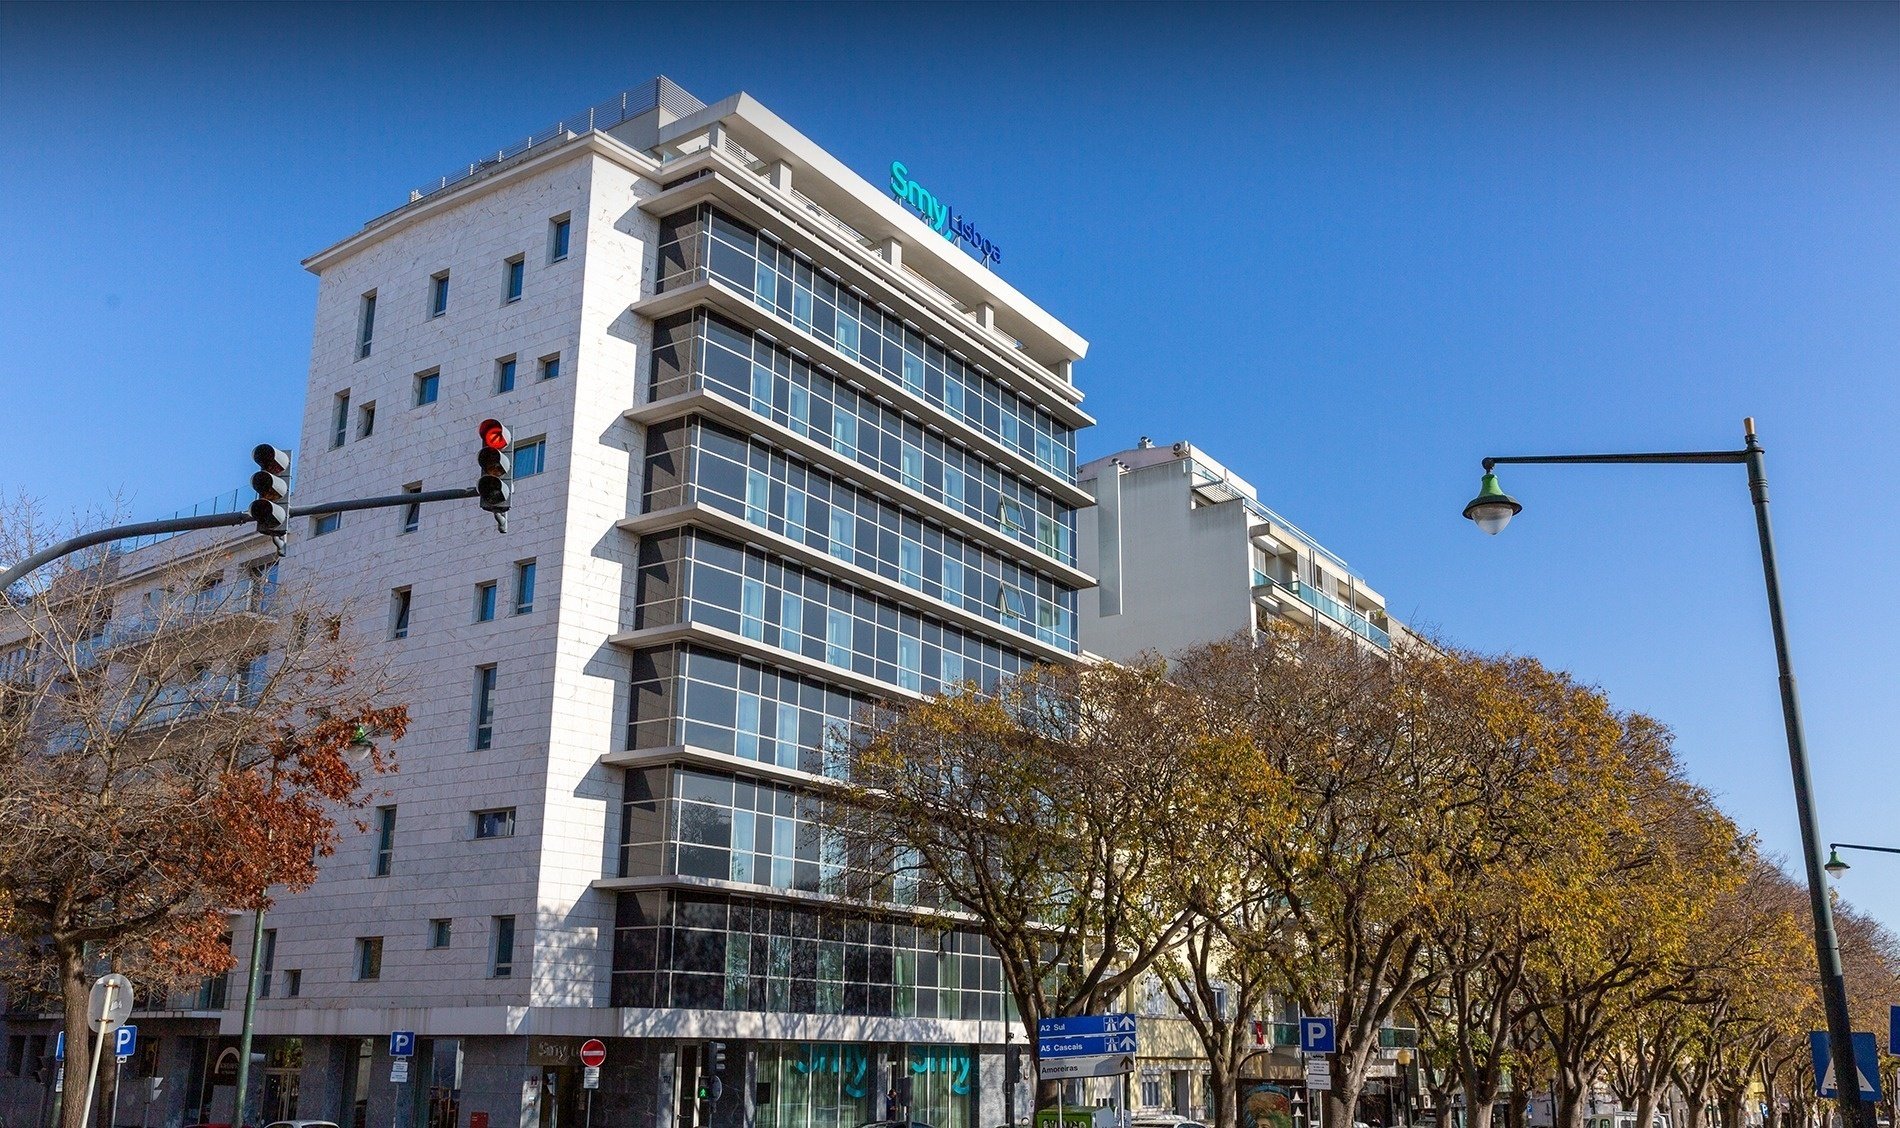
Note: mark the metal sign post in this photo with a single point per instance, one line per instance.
(111, 1002)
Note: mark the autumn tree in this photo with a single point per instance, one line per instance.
(1037, 813)
(178, 734)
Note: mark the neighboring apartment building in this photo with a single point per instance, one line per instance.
(193, 581)
(1186, 552)
(781, 449)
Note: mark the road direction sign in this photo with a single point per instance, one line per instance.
(125, 1042)
(1086, 1045)
(593, 1053)
(590, 1078)
(402, 1043)
(110, 1003)
(1086, 1024)
(1107, 1065)
(1316, 1035)
(1866, 1064)
(1893, 1030)
(59, 1047)
(399, 1071)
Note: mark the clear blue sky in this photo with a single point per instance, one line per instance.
(1347, 251)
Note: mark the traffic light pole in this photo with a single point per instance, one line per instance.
(214, 521)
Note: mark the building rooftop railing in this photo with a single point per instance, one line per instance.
(1260, 509)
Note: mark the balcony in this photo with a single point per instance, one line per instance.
(1328, 606)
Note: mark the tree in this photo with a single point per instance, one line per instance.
(178, 733)
(1037, 813)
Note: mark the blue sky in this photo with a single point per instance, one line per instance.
(1346, 251)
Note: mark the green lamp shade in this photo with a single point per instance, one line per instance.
(1835, 865)
(1492, 509)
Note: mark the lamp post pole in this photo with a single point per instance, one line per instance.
(1492, 509)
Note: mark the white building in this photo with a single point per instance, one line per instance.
(1186, 552)
(780, 449)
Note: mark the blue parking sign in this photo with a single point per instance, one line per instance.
(1316, 1035)
(125, 1042)
(402, 1043)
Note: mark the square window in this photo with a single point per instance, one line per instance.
(512, 274)
(524, 587)
(530, 458)
(439, 930)
(412, 513)
(551, 366)
(504, 948)
(399, 613)
(427, 385)
(505, 375)
(326, 524)
(340, 420)
(369, 957)
(366, 325)
(485, 602)
(498, 823)
(439, 294)
(293, 983)
(559, 229)
(366, 420)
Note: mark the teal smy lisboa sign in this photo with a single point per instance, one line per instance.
(942, 218)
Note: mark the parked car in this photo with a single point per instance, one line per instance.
(301, 1124)
(1164, 1120)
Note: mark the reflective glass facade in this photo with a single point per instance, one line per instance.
(700, 951)
(704, 352)
(786, 283)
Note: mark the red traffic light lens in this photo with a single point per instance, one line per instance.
(494, 435)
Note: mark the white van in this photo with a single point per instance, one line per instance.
(1623, 1120)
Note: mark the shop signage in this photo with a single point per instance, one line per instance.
(553, 1051)
(942, 218)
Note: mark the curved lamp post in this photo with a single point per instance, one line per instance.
(1835, 866)
(1493, 509)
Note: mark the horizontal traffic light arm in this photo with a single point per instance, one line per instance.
(211, 521)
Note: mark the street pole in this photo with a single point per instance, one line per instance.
(1489, 506)
(118, 1067)
(250, 1019)
(105, 1031)
(1827, 949)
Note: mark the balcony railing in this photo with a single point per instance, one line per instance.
(1331, 608)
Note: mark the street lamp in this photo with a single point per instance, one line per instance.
(1493, 509)
(1836, 866)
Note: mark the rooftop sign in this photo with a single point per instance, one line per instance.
(941, 217)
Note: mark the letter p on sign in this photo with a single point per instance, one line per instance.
(1316, 1035)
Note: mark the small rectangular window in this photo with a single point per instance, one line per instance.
(366, 420)
(399, 613)
(385, 840)
(498, 823)
(485, 602)
(512, 275)
(439, 294)
(366, 325)
(484, 707)
(266, 958)
(340, 420)
(326, 524)
(505, 375)
(412, 513)
(559, 229)
(369, 957)
(293, 983)
(530, 458)
(427, 385)
(439, 930)
(16, 1054)
(504, 964)
(524, 587)
(551, 366)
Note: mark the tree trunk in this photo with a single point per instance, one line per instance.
(1477, 1111)
(1223, 1083)
(1567, 1092)
(75, 992)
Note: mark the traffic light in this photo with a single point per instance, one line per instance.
(717, 1055)
(496, 485)
(1013, 1065)
(271, 510)
(712, 1067)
